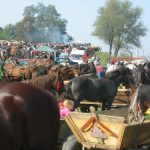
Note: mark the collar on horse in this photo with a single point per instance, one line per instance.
(60, 84)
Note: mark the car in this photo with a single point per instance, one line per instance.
(76, 55)
(65, 61)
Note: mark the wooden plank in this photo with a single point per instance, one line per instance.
(128, 134)
(90, 103)
(66, 82)
(136, 134)
(78, 119)
(74, 129)
(123, 90)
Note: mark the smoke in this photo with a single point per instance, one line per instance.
(56, 35)
(52, 34)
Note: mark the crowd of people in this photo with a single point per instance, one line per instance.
(11, 51)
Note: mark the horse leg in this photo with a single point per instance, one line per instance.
(10, 124)
(109, 103)
(77, 100)
(103, 105)
(42, 126)
(6, 135)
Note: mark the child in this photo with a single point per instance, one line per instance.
(67, 108)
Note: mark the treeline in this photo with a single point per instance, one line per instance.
(40, 23)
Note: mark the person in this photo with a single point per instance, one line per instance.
(85, 57)
(99, 70)
(97, 60)
(66, 108)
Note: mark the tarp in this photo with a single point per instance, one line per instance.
(46, 49)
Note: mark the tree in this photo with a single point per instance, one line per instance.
(41, 23)
(8, 32)
(119, 25)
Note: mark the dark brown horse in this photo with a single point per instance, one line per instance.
(139, 102)
(68, 72)
(29, 118)
(87, 68)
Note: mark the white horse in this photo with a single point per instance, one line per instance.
(131, 65)
(110, 67)
(113, 66)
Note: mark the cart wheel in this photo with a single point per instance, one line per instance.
(72, 144)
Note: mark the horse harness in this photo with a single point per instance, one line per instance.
(60, 84)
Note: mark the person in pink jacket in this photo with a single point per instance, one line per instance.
(67, 108)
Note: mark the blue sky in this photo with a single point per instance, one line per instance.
(81, 15)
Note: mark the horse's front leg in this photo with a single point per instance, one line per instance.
(77, 100)
(76, 104)
(108, 103)
(103, 105)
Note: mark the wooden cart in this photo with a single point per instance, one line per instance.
(128, 135)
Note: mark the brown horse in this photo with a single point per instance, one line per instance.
(52, 81)
(42, 62)
(17, 73)
(68, 72)
(29, 118)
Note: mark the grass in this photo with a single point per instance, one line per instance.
(103, 56)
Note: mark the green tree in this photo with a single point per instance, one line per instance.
(41, 23)
(119, 25)
(8, 32)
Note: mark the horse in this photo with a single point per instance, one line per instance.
(139, 102)
(42, 62)
(17, 73)
(29, 118)
(68, 72)
(52, 81)
(39, 71)
(90, 89)
(141, 74)
(87, 68)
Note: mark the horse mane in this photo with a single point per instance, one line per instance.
(45, 82)
(112, 74)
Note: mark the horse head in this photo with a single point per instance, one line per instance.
(68, 72)
(121, 75)
(141, 74)
(127, 78)
(58, 81)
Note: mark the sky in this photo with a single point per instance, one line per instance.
(80, 14)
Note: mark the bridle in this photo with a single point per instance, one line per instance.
(59, 83)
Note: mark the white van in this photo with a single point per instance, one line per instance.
(76, 55)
